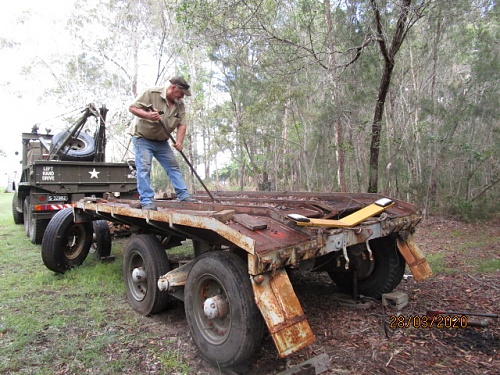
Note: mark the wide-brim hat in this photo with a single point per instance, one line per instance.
(182, 84)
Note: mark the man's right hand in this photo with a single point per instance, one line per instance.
(148, 113)
(153, 116)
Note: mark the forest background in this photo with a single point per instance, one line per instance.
(398, 97)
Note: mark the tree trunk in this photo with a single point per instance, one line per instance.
(339, 130)
(377, 127)
(388, 53)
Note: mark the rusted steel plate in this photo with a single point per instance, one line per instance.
(172, 218)
(233, 236)
(414, 258)
(282, 312)
(331, 203)
(281, 243)
(320, 241)
(274, 236)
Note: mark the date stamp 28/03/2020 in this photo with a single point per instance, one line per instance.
(424, 321)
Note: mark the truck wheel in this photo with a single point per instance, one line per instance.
(101, 238)
(27, 215)
(37, 229)
(18, 215)
(223, 318)
(79, 148)
(375, 277)
(34, 228)
(65, 244)
(144, 261)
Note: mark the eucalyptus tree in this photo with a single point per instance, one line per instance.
(290, 46)
(400, 17)
(134, 40)
(320, 43)
(460, 110)
(440, 143)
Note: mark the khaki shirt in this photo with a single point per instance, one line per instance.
(172, 118)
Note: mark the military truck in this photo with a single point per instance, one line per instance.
(59, 170)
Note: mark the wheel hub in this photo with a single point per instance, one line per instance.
(215, 307)
(139, 275)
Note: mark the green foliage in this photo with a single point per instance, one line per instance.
(227, 173)
(471, 211)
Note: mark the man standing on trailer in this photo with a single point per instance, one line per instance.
(150, 139)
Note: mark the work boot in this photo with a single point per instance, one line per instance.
(149, 206)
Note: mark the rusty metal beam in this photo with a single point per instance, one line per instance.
(282, 312)
(414, 258)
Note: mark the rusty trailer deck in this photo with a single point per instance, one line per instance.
(259, 223)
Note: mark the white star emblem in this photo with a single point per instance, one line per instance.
(94, 174)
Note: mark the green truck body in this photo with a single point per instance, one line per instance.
(59, 170)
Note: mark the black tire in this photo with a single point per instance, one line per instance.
(16, 213)
(37, 230)
(231, 338)
(78, 148)
(144, 261)
(101, 238)
(27, 215)
(34, 228)
(66, 244)
(376, 277)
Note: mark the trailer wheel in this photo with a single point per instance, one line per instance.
(144, 261)
(223, 318)
(18, 215)
(375, 277)
(65, 244)
(78, 148)
(101, 238)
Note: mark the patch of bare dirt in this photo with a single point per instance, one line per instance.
(358, 338)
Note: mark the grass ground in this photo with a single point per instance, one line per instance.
(74, 323)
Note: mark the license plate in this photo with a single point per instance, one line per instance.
(58, 198)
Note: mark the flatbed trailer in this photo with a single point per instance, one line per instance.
(237, 283)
